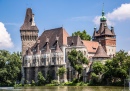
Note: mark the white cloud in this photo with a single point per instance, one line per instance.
(5, 40)
(118, 14)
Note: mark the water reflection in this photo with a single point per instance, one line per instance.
(66, 88)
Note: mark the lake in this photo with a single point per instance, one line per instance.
(65, 88)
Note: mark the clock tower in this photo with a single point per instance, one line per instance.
(28, 31)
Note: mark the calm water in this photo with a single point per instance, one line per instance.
(65, 88)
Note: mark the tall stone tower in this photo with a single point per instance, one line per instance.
(28, 31)
(105, 36)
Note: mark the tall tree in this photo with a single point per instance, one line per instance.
(83, 35)
(10, 68)
(77, 59)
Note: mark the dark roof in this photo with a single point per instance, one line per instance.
(74, 41)
(28, 21)
(107, 31)
(103, 30)
(100, 53)
(51, 35)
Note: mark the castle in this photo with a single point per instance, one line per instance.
(48, 52)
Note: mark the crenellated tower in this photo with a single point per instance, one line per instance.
(105, 36)
(28, 31)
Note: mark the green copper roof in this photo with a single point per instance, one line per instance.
(103, 16)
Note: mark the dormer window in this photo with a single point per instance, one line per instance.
(94, 48)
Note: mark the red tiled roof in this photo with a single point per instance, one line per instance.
(91, 45)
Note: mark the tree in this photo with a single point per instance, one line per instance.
(10, 68)
(41, 79)
(117, 69)
(61, 71)
(83, 35)
(77, 59)
(98, 69)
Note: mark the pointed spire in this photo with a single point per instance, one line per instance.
(38, 50)
(29, 23)
(57, 45)
(47, 46)
(28, 52)
(112, 30)
(95, 30)
(103, 13)
(100, 53)
(103, 18)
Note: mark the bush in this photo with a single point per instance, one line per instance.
(33, 83)
(55, 82)
(68, 83)
(41, 79)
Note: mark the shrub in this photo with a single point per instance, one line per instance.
(55, 82)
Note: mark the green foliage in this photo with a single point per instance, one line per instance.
(83, 35)
(69, 83)
(10, 68)
(41, 79)
(61, 71)
(55, 82)
(114, 71)
(77, 59)
(98, 68)
(33, 83)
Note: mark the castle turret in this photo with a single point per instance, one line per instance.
(29, 31)
(106, 36)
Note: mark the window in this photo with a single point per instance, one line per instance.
(53, 60)
(43, 61)
(34, 61)
(84, 52)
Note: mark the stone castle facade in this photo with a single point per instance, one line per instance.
(48, 52)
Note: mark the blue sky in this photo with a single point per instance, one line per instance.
(73, 15)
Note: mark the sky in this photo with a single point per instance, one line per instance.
(73, 15)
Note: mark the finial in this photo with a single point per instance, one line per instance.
(103, 10)
(112, 27)
(47, 39)
(95, 27)
(57, 38)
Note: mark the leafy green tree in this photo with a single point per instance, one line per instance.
(10, 68)
(83, 35)
(98, 69)
(117, 69)
(61, 71)
(41, 79)
(77, 59)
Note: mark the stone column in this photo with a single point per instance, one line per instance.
(65, 77)
(27, 75)
(70, 71)
(36, 74)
